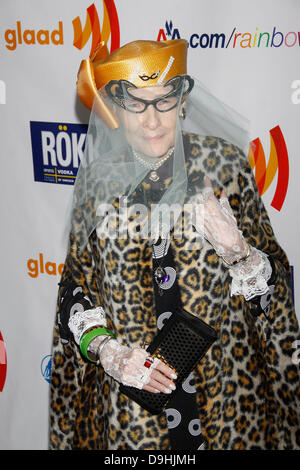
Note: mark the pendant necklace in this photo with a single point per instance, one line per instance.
(153, 176)
(160, 274)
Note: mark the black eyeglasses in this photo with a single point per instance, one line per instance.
(139, 105)
(118, 90)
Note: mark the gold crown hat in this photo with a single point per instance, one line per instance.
(143, 63)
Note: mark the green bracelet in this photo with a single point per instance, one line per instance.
(89, 336)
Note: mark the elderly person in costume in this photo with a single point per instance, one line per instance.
(156, 139)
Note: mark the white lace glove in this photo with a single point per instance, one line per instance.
(249, 278)
(82, 320)
(215, 221)
(126, 365)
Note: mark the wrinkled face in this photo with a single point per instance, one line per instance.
(152, 131)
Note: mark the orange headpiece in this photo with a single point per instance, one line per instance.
(143, 63)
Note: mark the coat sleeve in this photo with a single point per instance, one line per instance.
(273, 316)
(73, 385)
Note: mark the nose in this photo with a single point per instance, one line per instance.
(151, 117)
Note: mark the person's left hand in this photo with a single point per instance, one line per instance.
(215, 221)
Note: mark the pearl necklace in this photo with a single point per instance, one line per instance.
(153, 166)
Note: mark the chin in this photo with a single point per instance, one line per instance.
(157, 154)
(153, 151)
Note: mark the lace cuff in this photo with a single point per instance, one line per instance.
(80, 322)
(250, 277)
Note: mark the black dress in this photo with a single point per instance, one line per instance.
(182, 410)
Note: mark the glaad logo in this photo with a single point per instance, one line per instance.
(2, 92)
(46, 367)
(278, 161)
(57, 150)
(14, 37)
(3, 363)
(110, 27)
(38, 266)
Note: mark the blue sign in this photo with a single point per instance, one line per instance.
(57, 150)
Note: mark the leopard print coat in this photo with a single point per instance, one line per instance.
(248, 388)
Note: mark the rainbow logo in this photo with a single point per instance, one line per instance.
(110, 27)
(278, 162)
(3, 363)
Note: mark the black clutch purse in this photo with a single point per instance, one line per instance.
(181, 343)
